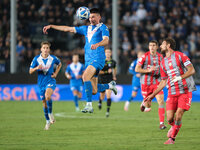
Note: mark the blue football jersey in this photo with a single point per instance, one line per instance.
(93, 34)
(132, 71)
(75, 70)
(44, 75)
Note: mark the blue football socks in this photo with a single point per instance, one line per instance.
(88, 90)
(76, 100)
(130, 99)
(46, 113)
(49, 106)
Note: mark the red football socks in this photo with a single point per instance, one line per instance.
(161, 113)
(175, 130)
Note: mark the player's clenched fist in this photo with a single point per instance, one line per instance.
(54, 75)
(94, 46)
(39, 67)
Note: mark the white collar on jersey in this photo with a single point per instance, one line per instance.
(47, 65)
(43, 57)
(76, 69)
(91, 32)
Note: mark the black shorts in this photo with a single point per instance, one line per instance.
(104, 79)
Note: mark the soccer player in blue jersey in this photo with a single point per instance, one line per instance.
(44, 65)
(96, 37)
(74, 72)
(135, 80)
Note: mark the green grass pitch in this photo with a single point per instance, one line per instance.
(22, 124)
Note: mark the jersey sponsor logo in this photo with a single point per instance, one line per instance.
(149, 66)
(173, 71)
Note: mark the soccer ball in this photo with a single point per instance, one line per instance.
(83, 13)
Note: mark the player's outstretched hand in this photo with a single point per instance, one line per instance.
(94, 46)
(45, 28)
(153, 68)
(69, 77)
(54, 75)
(149, 98)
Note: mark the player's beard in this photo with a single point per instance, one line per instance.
(93, 22)
(163, 51)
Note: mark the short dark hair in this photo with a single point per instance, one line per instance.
(154, 41)
(95, 10)
(108, 49)
(74, 54)
(45, 42)
(172, 43)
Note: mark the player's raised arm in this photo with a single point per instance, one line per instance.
(59, 28)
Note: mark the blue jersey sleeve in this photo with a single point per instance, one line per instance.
(34, 63)
(132, 68)
(57, 60)
(81, 30)
(67, 69)
(105, 30)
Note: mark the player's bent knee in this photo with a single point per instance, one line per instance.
(161, 103)
(170, 119)
(178, 117)
(47, 97)
(44, 103)
(94, 92)
(85, 78)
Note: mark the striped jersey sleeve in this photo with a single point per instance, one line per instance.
(163, 71)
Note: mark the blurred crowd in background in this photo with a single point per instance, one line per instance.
(139, 22)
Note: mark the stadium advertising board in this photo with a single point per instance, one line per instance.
(27, 92)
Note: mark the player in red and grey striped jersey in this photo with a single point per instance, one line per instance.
(176, 73)
(149, 67)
